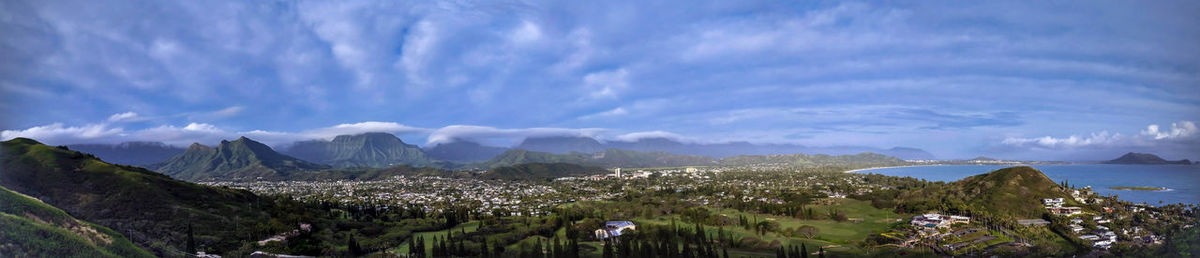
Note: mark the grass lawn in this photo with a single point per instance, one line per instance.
(470, 226)
(841, 237)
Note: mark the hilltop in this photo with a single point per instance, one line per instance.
(240, 159)
(1014, 192)
(152, 209)
(374, 150)
(35, 229)
(1144, 159)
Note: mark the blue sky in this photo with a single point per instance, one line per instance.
(1021, 80)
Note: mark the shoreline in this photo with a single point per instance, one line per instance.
(874, 168)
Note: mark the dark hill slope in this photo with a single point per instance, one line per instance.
(151, 209)
(32, 228)
(375, 150)
(236, 160)
(130, 153)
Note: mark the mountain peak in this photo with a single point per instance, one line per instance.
(372, 149)
(241, 158)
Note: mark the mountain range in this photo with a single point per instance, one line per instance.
(239, 159)
(149, 208)
(463, 151)
(376, 150)
(1145, 159)
(130, 153)
(567, 144)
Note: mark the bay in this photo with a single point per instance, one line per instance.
(1182, 181)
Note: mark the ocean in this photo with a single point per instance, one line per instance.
(1182, 181)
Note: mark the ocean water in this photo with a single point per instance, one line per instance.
(1182, 181)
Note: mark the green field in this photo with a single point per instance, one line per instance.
(470, 226)
(842, 237)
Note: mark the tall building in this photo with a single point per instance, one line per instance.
(618, 172)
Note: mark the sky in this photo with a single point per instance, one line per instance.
(1044, 80)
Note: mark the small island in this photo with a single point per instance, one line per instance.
(1138, 188)
(1134, 158)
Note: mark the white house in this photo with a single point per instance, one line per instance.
(614, 229)
(1053, 202)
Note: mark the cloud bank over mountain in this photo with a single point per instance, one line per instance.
(953, 78)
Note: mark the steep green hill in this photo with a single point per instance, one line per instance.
(150, 208)
(1014, 193)
(376, 150)
(34, 229)
(541, 171)
(242, 159)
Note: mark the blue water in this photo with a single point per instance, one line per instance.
(1182, 181)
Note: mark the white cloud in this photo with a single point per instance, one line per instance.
(482, 133)
(193, 132)
(1096, 139)
(1181, 132)
(632, 137)
(124, 117)
(528, 32)
(363, 127)
(619, 111)
(70, 133)
(1178, 130)
(606, 84)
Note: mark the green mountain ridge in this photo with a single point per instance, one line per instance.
(239, 159)
(35, 229)
(375, 150)
(151, 209)
(628, 158)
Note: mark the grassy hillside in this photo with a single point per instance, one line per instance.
(150, 208)
(34, 229)
(1012, 193)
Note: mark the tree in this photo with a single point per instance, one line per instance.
(803, 251)
(808, 231)
(191, 240)
(352, 245)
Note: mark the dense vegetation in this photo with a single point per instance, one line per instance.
(150, 208)
(32, 228)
